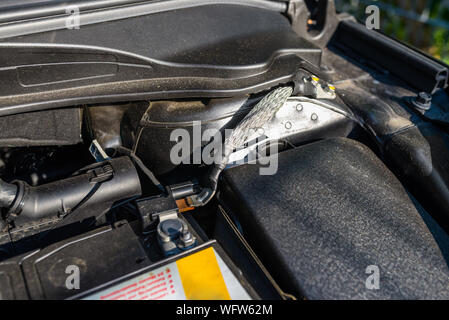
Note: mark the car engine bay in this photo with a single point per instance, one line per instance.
(277, 146)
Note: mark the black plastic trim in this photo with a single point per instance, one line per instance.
(409, 65)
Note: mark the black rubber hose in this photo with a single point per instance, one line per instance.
(97, 188)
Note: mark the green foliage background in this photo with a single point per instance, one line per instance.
(420, 23)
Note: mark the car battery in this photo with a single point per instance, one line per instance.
(203, 273)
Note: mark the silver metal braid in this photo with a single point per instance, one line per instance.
(263, 112)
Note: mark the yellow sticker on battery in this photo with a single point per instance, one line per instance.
(199, 276)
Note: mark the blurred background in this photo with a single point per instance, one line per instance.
(423, 24)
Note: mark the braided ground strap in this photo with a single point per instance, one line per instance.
(263, 112)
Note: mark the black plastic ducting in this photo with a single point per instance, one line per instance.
(98, 187)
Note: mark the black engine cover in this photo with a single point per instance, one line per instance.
(332, 210)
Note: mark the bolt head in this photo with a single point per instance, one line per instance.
(424, 98)
(171, 227)
(423, 101)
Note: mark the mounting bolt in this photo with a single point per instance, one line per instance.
(314, 117)
(423, 101)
